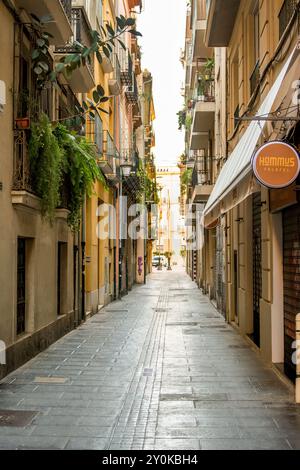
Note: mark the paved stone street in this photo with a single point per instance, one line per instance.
(158, 370)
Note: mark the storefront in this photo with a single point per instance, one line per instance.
(258, 191)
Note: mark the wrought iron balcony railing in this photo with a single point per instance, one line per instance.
(201, 172)
(110, 159)
(285, 15)
(22, 180)
(126, 68)
(94, 130)
(205, 91)
(67, 6)
(132, 93)
(81, 35)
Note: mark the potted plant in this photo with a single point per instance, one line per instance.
(22, 123)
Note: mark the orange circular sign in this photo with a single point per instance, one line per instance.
(276, 164)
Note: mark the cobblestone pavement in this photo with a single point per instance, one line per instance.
(158, 370)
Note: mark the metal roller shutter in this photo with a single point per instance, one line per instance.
(257, 268)
(291, 282)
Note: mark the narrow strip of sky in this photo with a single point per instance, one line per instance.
(162, 24)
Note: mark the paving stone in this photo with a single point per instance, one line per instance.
(244, 444)
(158, 370)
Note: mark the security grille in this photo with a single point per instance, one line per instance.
(291, 282)
(257, 268)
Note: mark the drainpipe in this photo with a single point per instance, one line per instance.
(120, 234)
(83, 264)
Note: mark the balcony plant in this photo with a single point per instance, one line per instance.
(181, 118)
(102, 47)
(58, 156)
(186, 179)
(205, 78)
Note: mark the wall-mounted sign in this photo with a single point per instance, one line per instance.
(276, 164)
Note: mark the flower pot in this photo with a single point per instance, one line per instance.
(23, 123)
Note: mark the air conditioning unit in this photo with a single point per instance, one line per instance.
(2, 95)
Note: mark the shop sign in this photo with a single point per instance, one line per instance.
(276, 164)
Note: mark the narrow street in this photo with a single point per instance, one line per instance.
(158, 370)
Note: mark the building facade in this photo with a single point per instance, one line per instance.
(57, 273)
(257, 227)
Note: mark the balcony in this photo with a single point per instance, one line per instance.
(82, 79)
(133, 182)
(131, 92)
(109, 161)
(200, 48)
(59, 10)
(204, 119)
(114, 83)
(23, 193)
(94, 130)
(126, 68)
(221, 18)
(21, 176)
(201, 180)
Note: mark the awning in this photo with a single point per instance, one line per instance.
(238, 166)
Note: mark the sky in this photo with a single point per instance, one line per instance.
(162, 24)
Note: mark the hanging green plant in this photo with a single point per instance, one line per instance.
(46, 159)
(147, 186)
(61, 161)
(80, 171)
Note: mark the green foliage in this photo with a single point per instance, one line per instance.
(206, 76)
(62, 160)
(188, 122)
(102, 45)
(183, 159)
(181, 118)
(148, 187)
(46, 161)
(80, 170)
(186, 179)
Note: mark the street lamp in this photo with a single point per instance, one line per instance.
(126, 167)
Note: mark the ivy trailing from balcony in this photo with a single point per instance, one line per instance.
(80, 170)
(46, 160)
(147, 187)
(60, 160)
